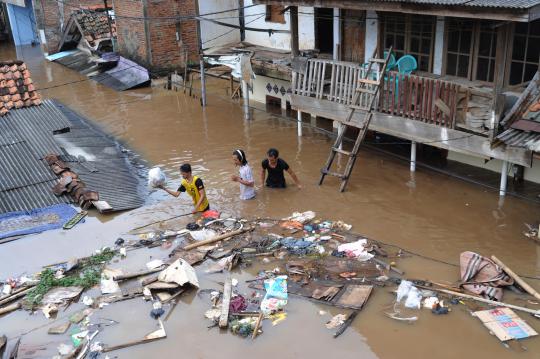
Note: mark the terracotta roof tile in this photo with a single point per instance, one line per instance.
(16, 87)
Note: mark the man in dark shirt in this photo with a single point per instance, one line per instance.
(275, 167)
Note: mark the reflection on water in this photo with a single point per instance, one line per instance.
(424, 212)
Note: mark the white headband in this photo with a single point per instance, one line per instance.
(241, 156)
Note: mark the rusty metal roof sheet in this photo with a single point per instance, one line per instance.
(517, 138)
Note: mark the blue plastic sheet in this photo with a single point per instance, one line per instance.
(35, 221)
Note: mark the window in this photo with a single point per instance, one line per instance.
(525, 52)
(459, 48)
(470, 49)
(487, 47)
(275, 13)
(410, 35)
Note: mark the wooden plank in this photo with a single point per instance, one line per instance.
(227, 292)
(517, 278)
(332, 83)
(257, 325)
(304, 78)
(322, 80)
(217, 238)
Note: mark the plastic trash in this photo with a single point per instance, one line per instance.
(276, 294)
(403, 289)
(156, 177)
(414, 298)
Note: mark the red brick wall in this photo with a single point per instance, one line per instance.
(131, 34)
(166, 52)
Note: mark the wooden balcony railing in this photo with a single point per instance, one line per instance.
(418, 98)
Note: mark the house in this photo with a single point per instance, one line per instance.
(473, 60)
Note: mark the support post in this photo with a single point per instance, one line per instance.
(245, 95)
(294, 31)
(203, 82)
(503, 39)
(299, 121)
(110, 24)
(337, 35)
(504, 178)
(413, 156)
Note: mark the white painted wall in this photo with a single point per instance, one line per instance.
(260, 91)
(221, 35)
(531, 174)
(372, 30)
(255, 17)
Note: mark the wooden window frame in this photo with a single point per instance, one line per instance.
(509, 59)
(473, 53)
(408, 35)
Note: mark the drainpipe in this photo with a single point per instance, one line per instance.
(299, 120)
(245, 95)
(504, 178)
(413, 156)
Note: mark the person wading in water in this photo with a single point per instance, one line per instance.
(194, 186)
(245, 178)
(275, 167)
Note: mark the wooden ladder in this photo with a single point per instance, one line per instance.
(368, 86)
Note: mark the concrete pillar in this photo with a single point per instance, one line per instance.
(245, 95)
(438, 49)
(504, 178)
(413, 156)
(203, 83)
(372, 34)
(299, 122)
(337, 35)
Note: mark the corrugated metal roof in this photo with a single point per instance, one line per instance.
(26, 182)
(20, 168)
(36, 125)
(505, 4)
(109, 171)
(30, 197)
(518, 138)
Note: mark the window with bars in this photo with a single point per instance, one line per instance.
(525, 52)
(487, 47)
(410, 35)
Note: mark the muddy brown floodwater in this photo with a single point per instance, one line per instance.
(428, 213)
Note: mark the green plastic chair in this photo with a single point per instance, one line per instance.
(405, 65)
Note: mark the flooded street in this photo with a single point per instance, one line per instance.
(426, 213)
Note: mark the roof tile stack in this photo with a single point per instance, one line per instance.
(16, 87)
(95, 26)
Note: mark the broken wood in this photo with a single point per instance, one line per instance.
(217, 239)
(517, 278)
(155, 335)
(15, 296)
(10, 308)
(138, 274)
(387, 266)
(227, 292)
(346, 324)
(534, 312)
(257, 325)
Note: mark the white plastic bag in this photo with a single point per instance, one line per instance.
(156, 177)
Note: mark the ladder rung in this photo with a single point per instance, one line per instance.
(343, 152)
(361, 108)
(366, 90)
(335, 174)
(380, 61)
(369, 82)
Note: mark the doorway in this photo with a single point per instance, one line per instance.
(324, 30)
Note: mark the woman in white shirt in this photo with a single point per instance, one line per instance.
(247, 184)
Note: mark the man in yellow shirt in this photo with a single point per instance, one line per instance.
(194, 186)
